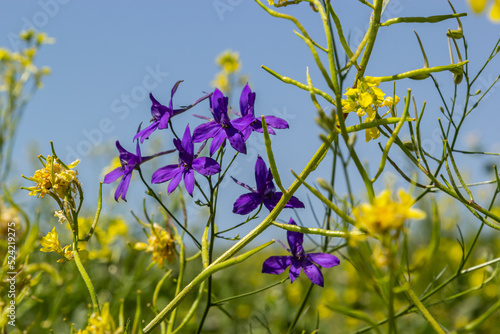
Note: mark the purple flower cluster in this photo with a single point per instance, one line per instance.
(219, 129)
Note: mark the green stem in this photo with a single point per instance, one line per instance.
(429, 19)
(85, 276)
(301, 309)
(423, 71)
(422, 309)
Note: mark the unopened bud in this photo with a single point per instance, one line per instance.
(352, 139)
(456, 34)
(409, 145)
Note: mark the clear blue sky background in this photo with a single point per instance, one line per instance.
(105, 50)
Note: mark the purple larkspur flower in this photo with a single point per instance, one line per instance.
(299, 260)
(247, 101)
(162, 114)
(265, 193)
(129, 162)
(188, 163)
(221, 127)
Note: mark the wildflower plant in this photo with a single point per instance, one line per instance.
(373, 261)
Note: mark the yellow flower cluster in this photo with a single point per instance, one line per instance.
(478, 6)
(17, 67)
(365, 100)
(54, 178)
(100, 324)
(161, 244)
(229, 63)
(386, 214)
(51, 243)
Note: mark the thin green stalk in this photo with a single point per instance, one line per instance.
(298, 84)
(301, 309)
(418, 19)
(425, 313)
(319, 231)
(85, 276)
(270, 155)
(423, 71)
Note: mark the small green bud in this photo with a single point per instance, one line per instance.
(324, 184)
(409, 145)
(352, 139)
(457, 78)
(456, 34)
(477, 92)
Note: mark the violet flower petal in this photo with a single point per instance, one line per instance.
(295, 240)
(189, 181)
(217, 141)
(114, 175)
(122, 188)
(276, 264)
(313, 272)
(324, 259)
(206, 131)
(165, 173)
(261, 175)
(175, 180)
(294, 270)
(236, 140)
(206, 166)
(246, 203)
(276, 122)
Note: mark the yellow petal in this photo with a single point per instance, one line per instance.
(495, 11)
(477, 5)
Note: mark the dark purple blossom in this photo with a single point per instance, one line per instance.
(265, 193)
(188, 163)
(129, 162)
(247, 101)
(162, 114)
(299, 260)
(221, 127)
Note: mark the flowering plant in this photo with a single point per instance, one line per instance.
(371, 259)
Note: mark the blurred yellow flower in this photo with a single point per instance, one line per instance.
(386, 214)
(221, 81)
(54, 178)
(8, 216)
(229, 61)
(100, 324)
(478, 6)
(160, 243)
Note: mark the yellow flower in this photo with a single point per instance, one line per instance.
(160, 244)
(478, 6)
(54, 178)
(386, 214)
(229, 61)
(100, 324)
(365, 100)
(51, 243)
(371, 133)
(221, 81)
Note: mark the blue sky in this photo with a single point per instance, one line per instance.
(109, 55)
